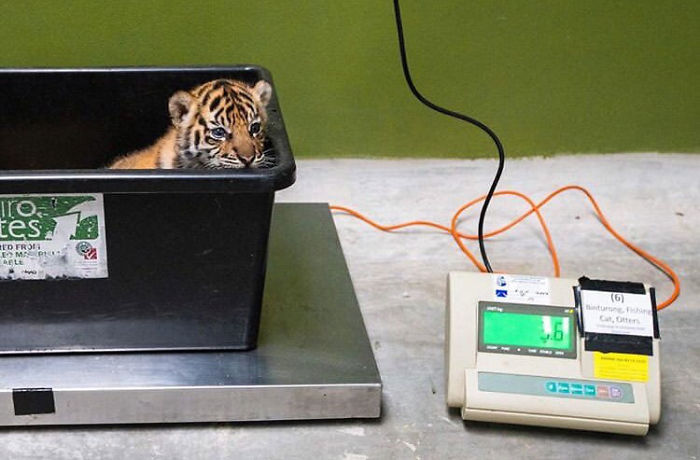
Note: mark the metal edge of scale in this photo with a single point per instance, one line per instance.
(313, 361)
(188, 404)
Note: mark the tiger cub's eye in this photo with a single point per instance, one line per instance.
(218, 133)
(254, 128)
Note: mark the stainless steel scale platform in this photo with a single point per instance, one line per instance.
(313, 360)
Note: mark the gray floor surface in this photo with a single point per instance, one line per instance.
(400, 282)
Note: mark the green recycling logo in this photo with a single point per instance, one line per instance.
(46, 218)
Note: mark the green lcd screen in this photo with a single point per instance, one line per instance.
(527, 330)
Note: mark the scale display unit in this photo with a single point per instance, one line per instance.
(515, 354)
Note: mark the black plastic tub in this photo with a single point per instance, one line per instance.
(171, 259)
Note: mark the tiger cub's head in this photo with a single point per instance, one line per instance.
(221, 124)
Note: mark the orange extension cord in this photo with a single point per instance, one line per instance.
(534, 208)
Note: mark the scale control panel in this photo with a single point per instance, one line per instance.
(577, 354)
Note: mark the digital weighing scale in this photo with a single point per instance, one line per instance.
(515, 354)
(313, 359)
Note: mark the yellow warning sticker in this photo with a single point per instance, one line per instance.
(621, 366)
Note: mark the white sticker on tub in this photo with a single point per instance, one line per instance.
(52, 236)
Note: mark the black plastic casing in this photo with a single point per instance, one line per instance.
(186, 248)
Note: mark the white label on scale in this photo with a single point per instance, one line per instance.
(617, 313)
(521, 288)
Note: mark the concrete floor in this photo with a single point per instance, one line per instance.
(400, 282)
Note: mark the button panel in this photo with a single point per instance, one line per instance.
(581, 389)
(619, 392)
(584, 389)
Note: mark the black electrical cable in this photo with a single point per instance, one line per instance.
(473, 121)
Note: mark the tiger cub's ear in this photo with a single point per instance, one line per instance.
(263, 90)
(182, 106)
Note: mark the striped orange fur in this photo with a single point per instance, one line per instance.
(219, 124)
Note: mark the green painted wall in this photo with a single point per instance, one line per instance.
(549, 75)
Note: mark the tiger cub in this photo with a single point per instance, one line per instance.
(219, 124)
